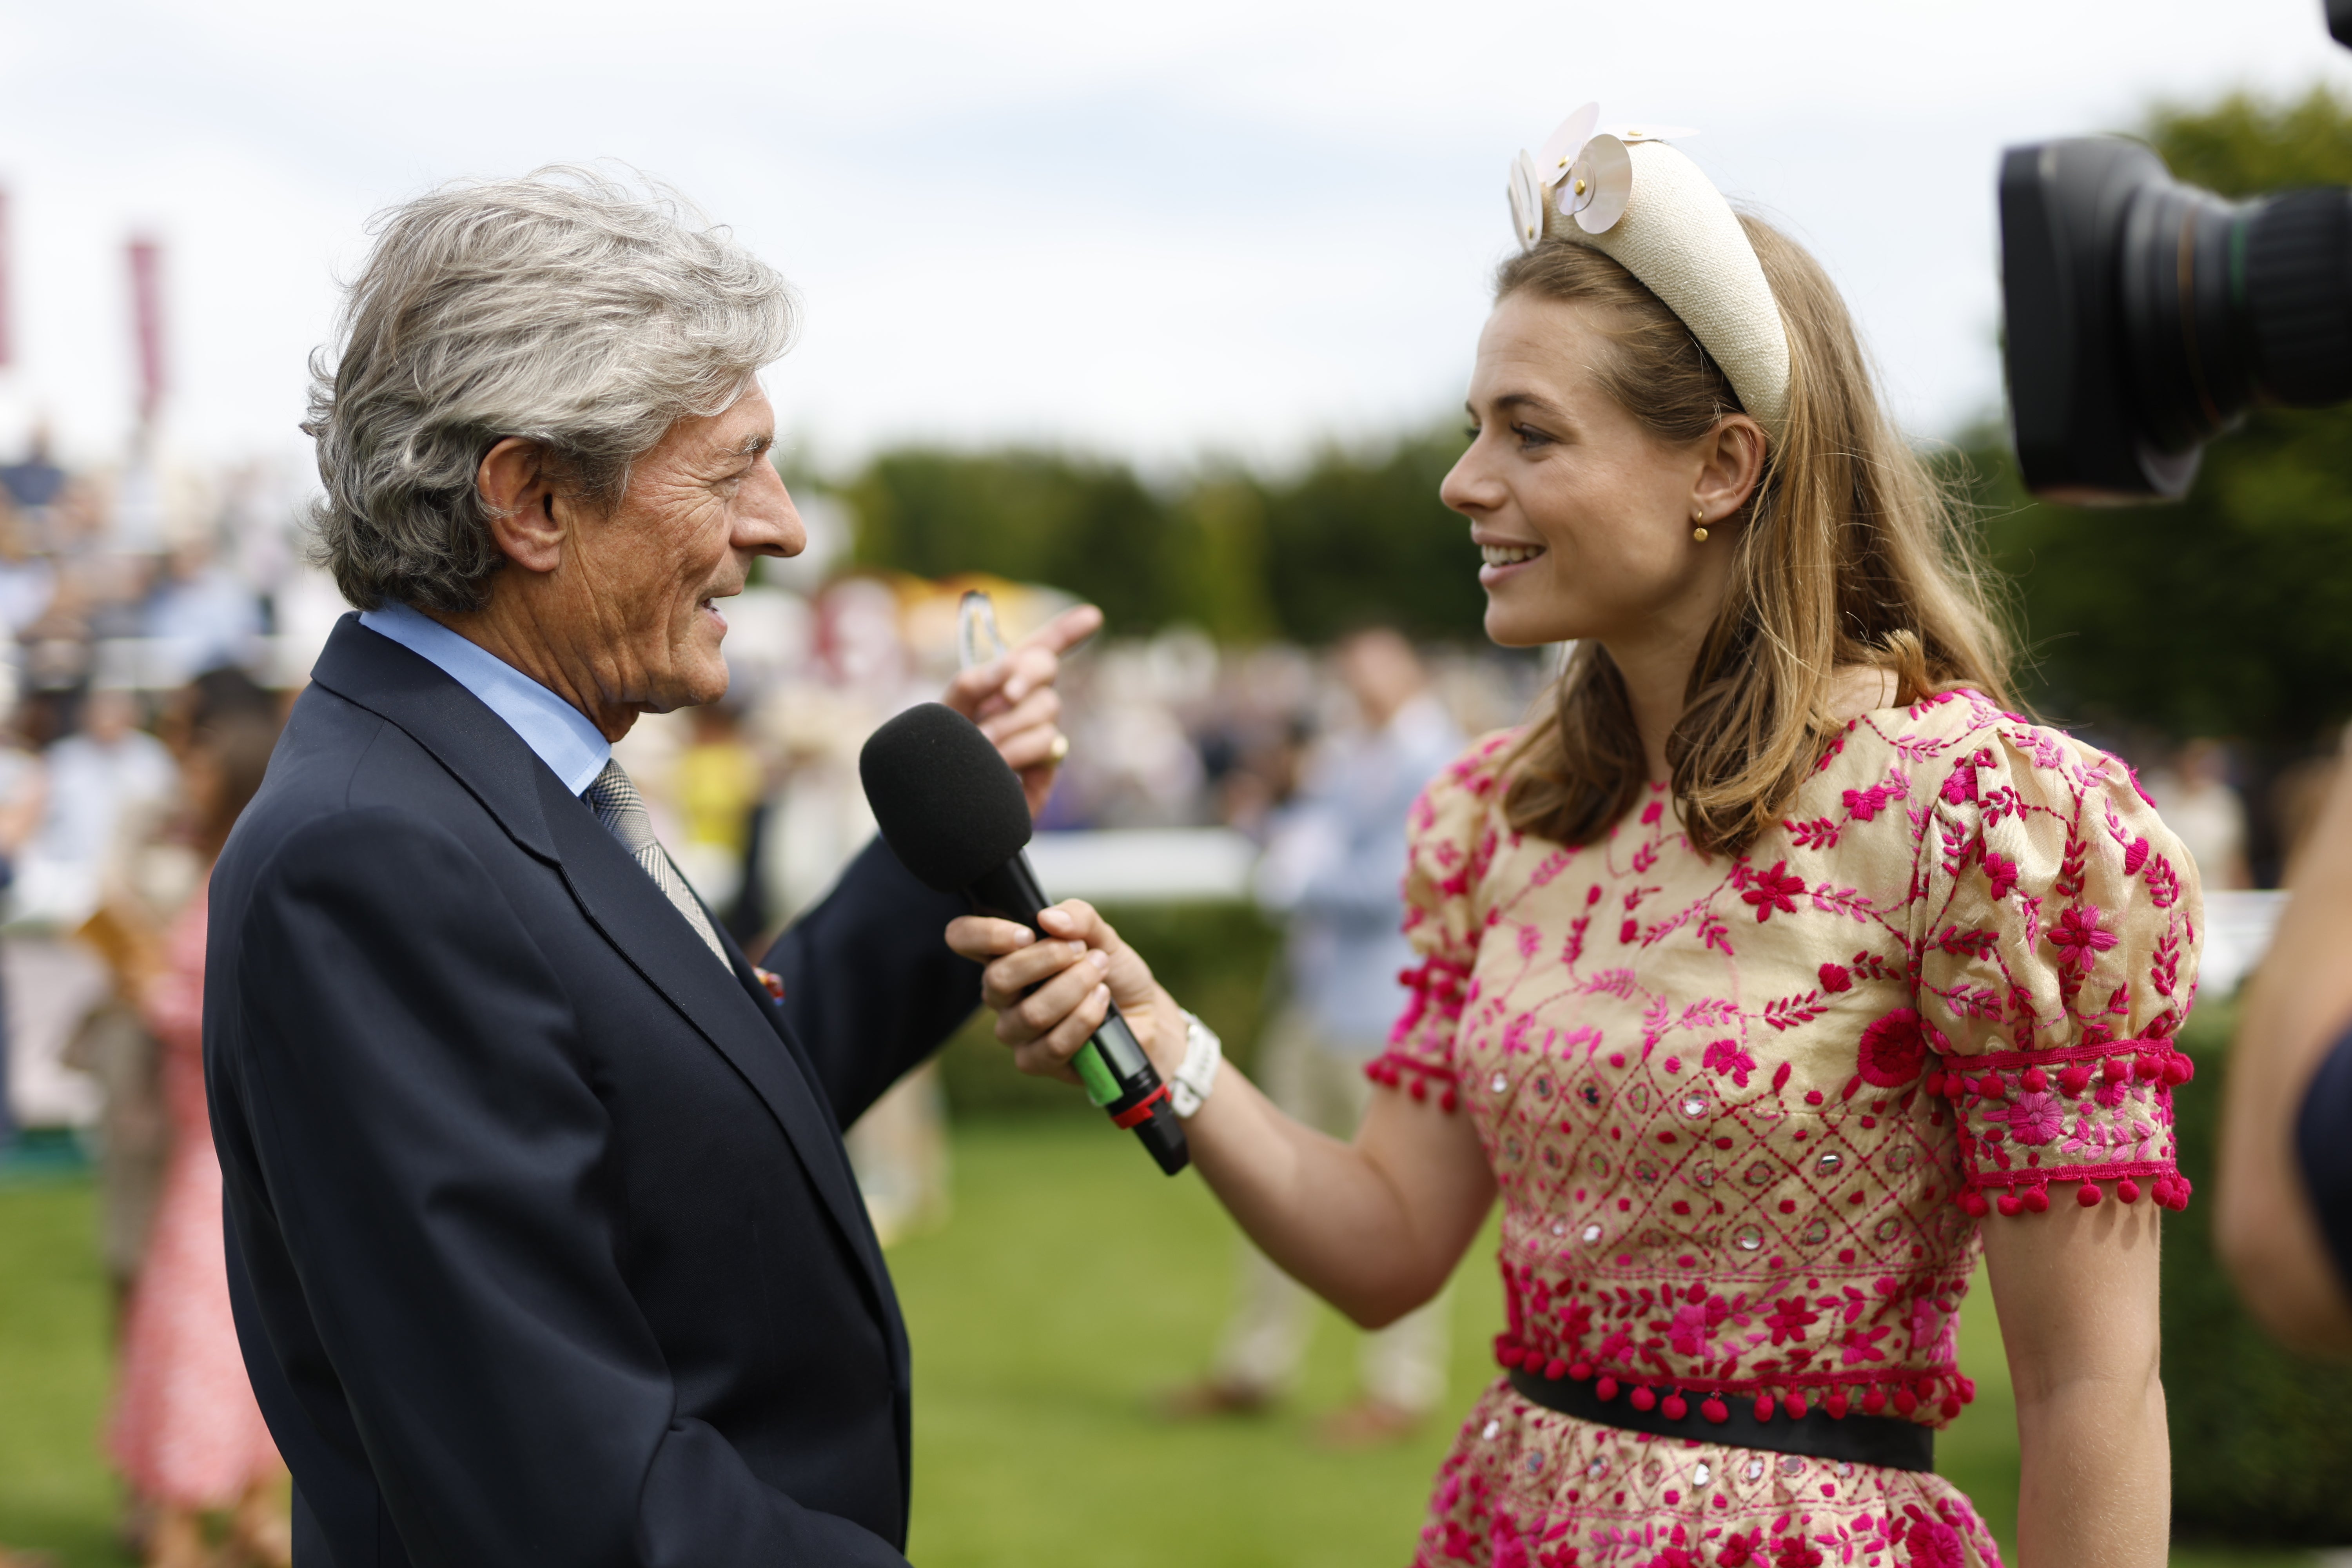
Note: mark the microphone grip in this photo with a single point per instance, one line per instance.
(1118, 1077)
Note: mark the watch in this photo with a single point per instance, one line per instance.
(1203, 1054)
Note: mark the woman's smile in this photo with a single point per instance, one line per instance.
(1504, 558)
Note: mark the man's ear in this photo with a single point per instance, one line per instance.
(527, 510)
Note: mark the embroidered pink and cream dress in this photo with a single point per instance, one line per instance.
(1746, 1115)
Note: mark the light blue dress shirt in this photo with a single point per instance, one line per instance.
(574, 750)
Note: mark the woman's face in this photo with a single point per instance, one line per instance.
(1584, 517)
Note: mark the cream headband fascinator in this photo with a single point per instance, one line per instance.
(1628, 194)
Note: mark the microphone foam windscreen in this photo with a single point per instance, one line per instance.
(947, 804)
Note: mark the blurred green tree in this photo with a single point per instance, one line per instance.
(1358, 536)
(1088, 525)
(1215, 572)
(1361, 536)
(2230, 613)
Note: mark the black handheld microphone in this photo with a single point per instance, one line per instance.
(955, 817)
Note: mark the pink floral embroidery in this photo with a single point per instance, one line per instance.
(1774, 890)
(1934, 1544)
(1863, 804)
(1790, 1319)
(2000, 873)
(1858, 1346)
(1928, 1319)
(1725, 1057)
(2033, 1117)
(1694, 1325)
(2078, 936)
(1835, 977)
(1892, 1050)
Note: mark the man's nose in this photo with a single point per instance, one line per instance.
(768, 523)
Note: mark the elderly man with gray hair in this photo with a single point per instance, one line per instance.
(543, 1244)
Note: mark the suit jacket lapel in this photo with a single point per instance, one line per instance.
(531, 805)
(721, 1004)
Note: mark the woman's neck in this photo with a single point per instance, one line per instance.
(1656, 673)
(1657, 681)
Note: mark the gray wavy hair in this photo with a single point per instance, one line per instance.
(566, 308)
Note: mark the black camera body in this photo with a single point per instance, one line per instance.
(2144, 317)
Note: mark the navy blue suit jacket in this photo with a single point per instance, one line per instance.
(542, 1242)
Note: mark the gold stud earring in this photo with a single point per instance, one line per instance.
(1699, 533)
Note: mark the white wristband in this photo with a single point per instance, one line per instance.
(1203, 1054)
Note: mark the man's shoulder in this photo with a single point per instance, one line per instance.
(341, 771)
(336, 753)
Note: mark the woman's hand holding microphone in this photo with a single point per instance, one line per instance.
(1051, 993)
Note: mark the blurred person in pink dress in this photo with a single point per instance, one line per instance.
(186, 1432)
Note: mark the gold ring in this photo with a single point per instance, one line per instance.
(1059, 749)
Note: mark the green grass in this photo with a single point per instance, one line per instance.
(1073, 1284)
(55, 1491)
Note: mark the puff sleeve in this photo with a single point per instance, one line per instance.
(2056, 931)
(1451, 839)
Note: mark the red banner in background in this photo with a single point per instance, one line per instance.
(147, 315)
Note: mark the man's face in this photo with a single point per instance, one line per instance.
(636, 589)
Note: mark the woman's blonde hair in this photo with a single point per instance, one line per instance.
(1850, 554)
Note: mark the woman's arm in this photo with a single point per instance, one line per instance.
(1374, 1226)
(2076, 1289)
(2293, 1011)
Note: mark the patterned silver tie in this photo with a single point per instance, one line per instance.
(618, 805)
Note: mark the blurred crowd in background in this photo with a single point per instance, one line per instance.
(1283, 650)
(130, 602)
(1284, 653)
(159, 626)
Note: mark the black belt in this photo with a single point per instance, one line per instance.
(1884, 1440)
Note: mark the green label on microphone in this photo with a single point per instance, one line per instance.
(1101, 1087)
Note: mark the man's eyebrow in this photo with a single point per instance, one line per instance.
(753, 446)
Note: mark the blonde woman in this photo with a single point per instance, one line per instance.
(1772, 977)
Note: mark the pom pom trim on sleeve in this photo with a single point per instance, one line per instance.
(1420, 1046)
(2085, 1114)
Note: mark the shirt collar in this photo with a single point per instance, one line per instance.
(573, 750)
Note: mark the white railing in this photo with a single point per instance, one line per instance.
(2238, 928)
(1153, 864)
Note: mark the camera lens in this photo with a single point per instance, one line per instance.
(2299, 296)
(2189, 369)
(2145, 316)
(2224, 304)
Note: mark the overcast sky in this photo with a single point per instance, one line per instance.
(1232, 225)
